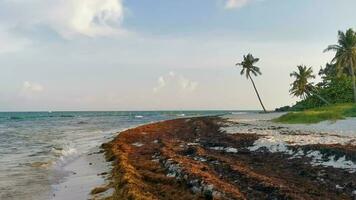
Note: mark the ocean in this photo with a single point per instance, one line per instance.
(36, 146)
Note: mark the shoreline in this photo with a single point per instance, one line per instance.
(84, 173)
(88, 171)
(192, 158)
(87, 175)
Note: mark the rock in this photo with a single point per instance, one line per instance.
(99, 189)
(137, 144)
(103, 174)
(339, 187)
(231, 150)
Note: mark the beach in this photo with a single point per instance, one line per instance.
(57, 155)
(177, 100)
(175, 155)
(86, 172)
(239, 156)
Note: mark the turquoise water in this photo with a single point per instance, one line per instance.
(35, 146)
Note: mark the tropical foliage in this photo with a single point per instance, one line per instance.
(334, 89)
(345, 56)
(338, 83)
(315, 115)
(301, 87)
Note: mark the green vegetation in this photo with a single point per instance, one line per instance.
(334, 97)
(248, 68)
(345, 57)
(301, 87)
(335, 90)
(332, 112)
(338, 83)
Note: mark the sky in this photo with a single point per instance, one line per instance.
(159, 55)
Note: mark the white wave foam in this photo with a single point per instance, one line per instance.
(238, 113)
(66, 154)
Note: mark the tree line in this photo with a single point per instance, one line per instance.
(338, 83)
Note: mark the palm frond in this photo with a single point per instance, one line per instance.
(248, 67)
(301, 86)
(345, 51)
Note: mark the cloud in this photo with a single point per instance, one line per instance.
(187, 84)
(90, 18)
(230, 4)
(30, 87)
(69, 18)
(174, 82)
(161, 83)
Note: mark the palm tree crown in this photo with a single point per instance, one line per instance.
(301, 87)
(345, 50)
(345, 56)
(248, 66)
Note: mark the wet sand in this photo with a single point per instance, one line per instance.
(197, 158)
(84, 173)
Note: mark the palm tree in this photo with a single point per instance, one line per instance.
(301, 87)
(248, 68)
(345, 56)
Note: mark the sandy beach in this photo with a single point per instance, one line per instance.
(177, 100)
(85, 173)
(58, 156)
(242, 156)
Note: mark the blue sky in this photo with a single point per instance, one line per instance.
(149, 55)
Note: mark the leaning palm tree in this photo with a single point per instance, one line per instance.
(247, 68)
(345, 56)
(301, 87)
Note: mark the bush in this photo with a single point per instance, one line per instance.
(335, 90)
(333, 112)
(283, 109)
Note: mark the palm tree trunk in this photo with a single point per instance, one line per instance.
(353, 79)
(258, 95)
(320, 97)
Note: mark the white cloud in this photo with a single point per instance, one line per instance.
(230, 4)
(30, 87)
(161, 83)
(172, 74)
(68, 18)
(174, 82)
(187, 84)
(91, 18)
